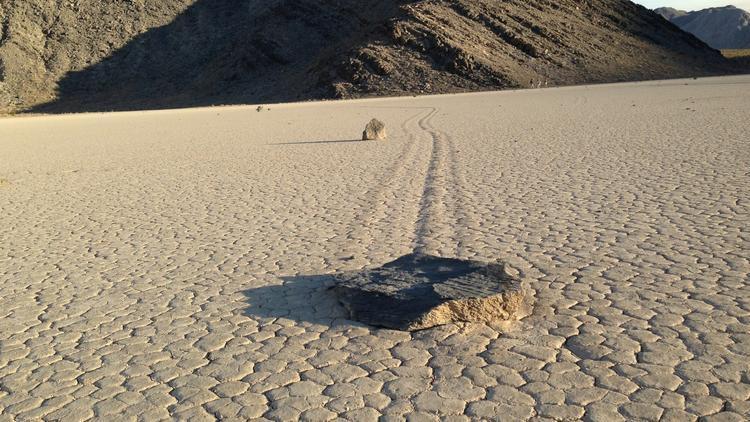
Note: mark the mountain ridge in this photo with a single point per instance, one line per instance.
(726, 27)
(98, 55)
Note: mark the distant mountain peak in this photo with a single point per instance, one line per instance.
(725, 27)
(670, 12)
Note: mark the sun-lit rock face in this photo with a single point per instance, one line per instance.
(375, 130)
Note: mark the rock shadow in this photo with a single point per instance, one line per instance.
(304, 299)
(343, 141)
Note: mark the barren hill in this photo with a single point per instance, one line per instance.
(720, 27)
(78, 55)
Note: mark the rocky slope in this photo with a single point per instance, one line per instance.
(42, 40)
(78, 55)
(720, 27)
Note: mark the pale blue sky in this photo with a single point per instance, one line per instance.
(694, 4)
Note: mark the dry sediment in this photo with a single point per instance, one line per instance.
(175, 264)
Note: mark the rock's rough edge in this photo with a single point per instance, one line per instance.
(502, 307)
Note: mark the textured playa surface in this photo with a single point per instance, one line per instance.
(173, 264)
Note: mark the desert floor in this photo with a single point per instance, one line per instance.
(172, 264)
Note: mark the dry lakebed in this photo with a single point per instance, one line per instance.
(177, 264)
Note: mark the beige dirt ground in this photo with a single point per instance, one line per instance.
(173, 264)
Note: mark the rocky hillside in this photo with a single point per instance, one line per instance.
(42, 40)
(720, 27)
(78, 55)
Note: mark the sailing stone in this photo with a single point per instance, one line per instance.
(419, 291)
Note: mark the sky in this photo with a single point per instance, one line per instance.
(694, 4)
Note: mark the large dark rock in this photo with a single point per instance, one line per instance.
(419, 291)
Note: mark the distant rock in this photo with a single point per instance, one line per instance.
(719, 27)
(419, 291)
(374, 130)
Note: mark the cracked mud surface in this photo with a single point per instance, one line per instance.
(172, 265)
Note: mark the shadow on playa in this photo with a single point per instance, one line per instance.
(344, 141)
(304, 299)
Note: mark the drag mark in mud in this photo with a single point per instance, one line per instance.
(430, 225)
